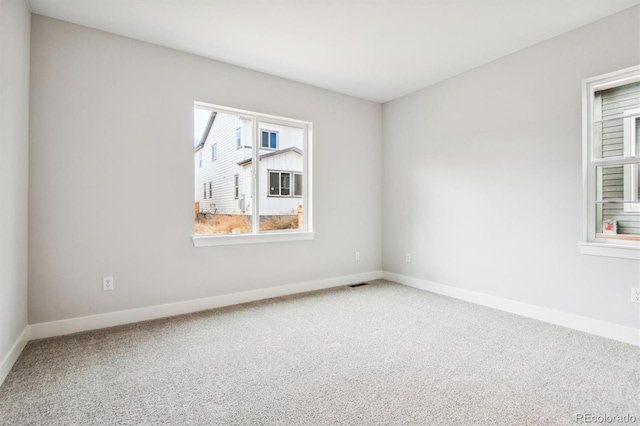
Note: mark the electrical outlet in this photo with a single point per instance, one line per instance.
(357, 255)
(407, 257)
(107, 283)
(635, 295)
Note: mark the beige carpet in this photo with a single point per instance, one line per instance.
(377, 354)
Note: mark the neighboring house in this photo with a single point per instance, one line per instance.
(619, 137)
(223, 167)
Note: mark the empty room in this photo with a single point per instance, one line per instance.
(285, 212)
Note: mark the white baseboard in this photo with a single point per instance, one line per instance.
(93, 322)
(73, 325)
(588, 325)
(12, 356)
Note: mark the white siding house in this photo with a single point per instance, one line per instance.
(223, 167)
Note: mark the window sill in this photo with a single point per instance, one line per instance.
(267, 237)
(610, 250)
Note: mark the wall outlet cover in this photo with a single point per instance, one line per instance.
(107, 283)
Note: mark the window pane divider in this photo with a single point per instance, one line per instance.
(615, 161)
(617, 201)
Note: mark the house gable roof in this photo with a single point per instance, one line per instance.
(271, 154)
(207, 129)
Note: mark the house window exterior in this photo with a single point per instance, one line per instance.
(297, 184)
(268, 139)
(204, 189)
(200, 160)
(611, 161)
(258, 151)
(285, 184)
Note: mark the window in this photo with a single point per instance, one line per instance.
(214, 152)
(200, 159)
(263, 191)
(204, 189)
(612, 164)
(269, 139)
(297, 184)
(280, 184)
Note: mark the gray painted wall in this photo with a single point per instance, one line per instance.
(112, 128)
(15, 22)
(483, 177)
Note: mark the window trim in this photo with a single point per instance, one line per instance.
(292, 184)
(214, 152)
(257, 236)
(590, 245)
(276, 132)
(263, 237)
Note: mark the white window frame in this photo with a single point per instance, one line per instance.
(257, 236)
(269, 139)
(236, 186)
(610, 247)
(239, 138)
(291, 183)
(214, 152)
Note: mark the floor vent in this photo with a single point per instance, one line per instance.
(358, 285)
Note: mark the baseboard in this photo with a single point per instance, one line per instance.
(93, 322)
(589, 325)
(12, 356)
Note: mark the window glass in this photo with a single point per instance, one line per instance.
(227, 176)
(285, 183)
(615, 161)
(297, 185)
(274, 183)
(254, 191)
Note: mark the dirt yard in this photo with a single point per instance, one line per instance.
(225, 224)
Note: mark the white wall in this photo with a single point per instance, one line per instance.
(482, 177)
(100, 103)
(15, 22)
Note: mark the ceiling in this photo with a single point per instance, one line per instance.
(373, 49)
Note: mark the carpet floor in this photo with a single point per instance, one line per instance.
(380, 354)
